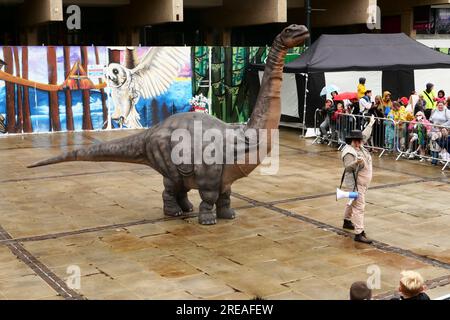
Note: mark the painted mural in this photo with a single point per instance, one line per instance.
(230, 88)
(46, 89)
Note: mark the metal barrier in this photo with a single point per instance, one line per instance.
(383, 132)
(424, 141)
(332, 128)
(410, 139)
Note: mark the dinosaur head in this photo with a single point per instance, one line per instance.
(294, 35)
(116, 75)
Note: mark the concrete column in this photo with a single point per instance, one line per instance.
(226, 37)
(245, 13)
(341, 13)
(407, 23)
(144, 12)
(32, 36)
(133, 37)
(41, 11)
(122, 36)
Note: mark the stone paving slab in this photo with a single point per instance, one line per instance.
(261, 253)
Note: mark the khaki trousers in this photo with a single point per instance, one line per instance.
(354, 210)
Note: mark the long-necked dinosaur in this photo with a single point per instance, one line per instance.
(154, 146)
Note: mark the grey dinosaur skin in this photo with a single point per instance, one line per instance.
(153, 147)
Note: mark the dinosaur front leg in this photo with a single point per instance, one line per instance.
(223, 206)
(170, 193)
(207, 216)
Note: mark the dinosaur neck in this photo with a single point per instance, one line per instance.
(267, 111)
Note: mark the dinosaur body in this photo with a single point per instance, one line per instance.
(155, 146)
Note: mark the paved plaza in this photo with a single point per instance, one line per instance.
(286, 242)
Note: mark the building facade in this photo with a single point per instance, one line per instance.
(212, 22)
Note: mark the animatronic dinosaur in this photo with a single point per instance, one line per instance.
(155, 146)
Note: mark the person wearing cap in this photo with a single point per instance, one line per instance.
(358, 175)
(430, 102)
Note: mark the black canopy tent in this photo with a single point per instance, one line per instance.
(395, 55)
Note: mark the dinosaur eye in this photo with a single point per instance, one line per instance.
(288, 30)
(116, 72)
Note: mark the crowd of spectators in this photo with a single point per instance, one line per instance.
(417, 126)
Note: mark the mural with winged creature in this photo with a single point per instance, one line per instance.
(45, 89)
(151, 77)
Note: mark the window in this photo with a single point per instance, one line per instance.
(432, 19)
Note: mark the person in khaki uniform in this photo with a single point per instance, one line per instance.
(357, 177)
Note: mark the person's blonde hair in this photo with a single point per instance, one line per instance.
(411, 282)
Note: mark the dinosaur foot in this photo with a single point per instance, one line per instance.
(185, 205)
(207, 218)
(173, 211)
(226, 213)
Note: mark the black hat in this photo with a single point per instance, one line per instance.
(354, 135)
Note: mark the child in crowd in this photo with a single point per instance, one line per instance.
(327, 112)
(335, 118)
(435, 149)
(444, 143)
(412, 286)
(339, 110)
(397, 115)
(361, 88)
(441, 96)
(420, 105)
(418, 129)
(404, 102)
(387, 103)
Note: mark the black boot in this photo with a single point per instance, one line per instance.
(348, 225)
(362, 238)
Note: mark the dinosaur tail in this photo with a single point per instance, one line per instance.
(129, 149)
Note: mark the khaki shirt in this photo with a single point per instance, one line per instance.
(362, 171)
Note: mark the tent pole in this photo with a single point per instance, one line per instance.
(308, 10)
(304, 104)
(209, 80)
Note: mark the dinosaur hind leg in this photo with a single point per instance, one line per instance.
(207, 216)
(224, 211)
(170, 193)
(183, 202)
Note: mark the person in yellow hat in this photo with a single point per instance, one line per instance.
(361, 89)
